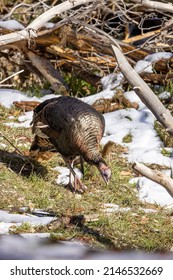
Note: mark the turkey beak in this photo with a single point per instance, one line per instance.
(105, 172)
(106, 177)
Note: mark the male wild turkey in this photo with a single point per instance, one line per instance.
(74, 128)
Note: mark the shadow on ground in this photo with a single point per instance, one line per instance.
(21, 164)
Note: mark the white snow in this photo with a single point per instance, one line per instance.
(23, 120)
(145, 146)
(8, 96)
(9, 220)
(165, 95)
(111, 81)
(18, 219)
(113, 208)
(2, 145)
(157, 56)
(49, 25)
(11, 24)
(143, 66)
(146, 64)
(152, 192)
(35, 236)
(63, 177)
(108, 94)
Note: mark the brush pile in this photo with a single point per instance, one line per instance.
(71, 42)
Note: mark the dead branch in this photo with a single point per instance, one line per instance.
(30, 30)
(155, 176)
(45, 67)
(154, 5)
(156, 78)
(141, 37)
(144, 92)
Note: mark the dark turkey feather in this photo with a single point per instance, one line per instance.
(74, 128)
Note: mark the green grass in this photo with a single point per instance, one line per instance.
(166, 138)
(82, 217)
(78, 86)
(127, 138)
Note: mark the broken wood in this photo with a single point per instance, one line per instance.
(155, 176)
(134, 39)
(45, 67)
(155, 79)
(26, 105)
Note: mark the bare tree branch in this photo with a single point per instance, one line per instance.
(154, 5)
(155, 176)
(144, 92)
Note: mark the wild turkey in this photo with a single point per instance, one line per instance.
(74, 128)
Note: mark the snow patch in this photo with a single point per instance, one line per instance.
(63, 177)
(8, 96)
(11, 24)
(152, 192)
(158, 56)
(143, 66)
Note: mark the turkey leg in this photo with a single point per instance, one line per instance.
(78, 185)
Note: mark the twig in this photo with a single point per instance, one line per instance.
(141, 37)
(49, 72)
(14, 74)
(13, 9)
(6, 85)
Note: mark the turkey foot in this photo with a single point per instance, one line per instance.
(78, 185)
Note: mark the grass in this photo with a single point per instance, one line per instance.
(82, 217)
(127, 138)
(78, 86)
(163, 134)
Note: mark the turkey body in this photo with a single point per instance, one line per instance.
(73, 127)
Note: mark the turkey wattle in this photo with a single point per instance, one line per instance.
(74, 128)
